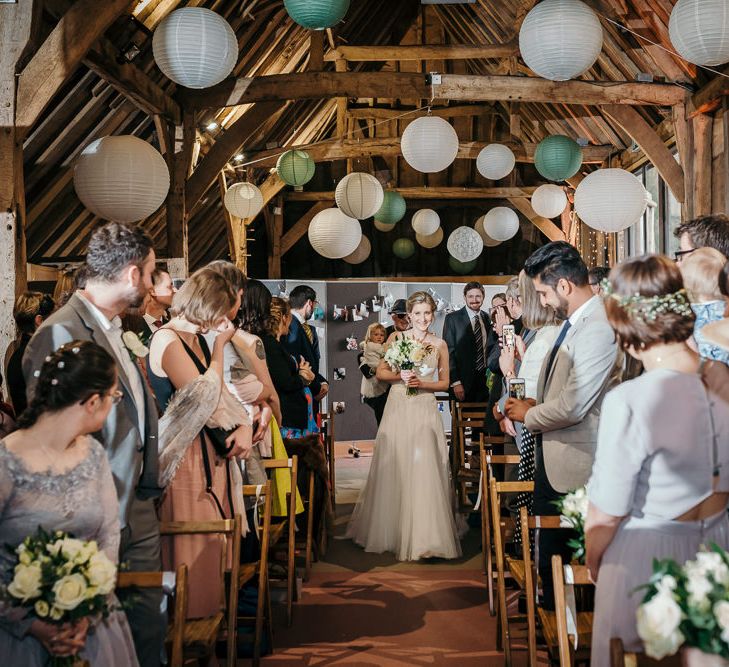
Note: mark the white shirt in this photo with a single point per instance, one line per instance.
(577, 314)
(298, 316)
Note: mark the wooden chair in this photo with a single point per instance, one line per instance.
(201, 634)
(619, 658)
(176, 628)
(328, 435)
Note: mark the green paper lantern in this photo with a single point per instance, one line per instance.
(403, 248)
(317, 14)
(558, 157)
(392, 209)
(295, 167)
(462, 268)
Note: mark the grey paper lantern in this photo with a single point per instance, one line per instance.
(465, 244)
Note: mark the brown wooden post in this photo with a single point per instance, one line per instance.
(177, 214)
(702, 126)
(274, 227)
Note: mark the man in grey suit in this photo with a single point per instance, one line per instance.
(119, 262)
(582, 366)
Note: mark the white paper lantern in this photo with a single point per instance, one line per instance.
(359, 195)
(383, 227)
(465, 244)
(699, 30)
(610, 200)
(487, 240)
(425, 222)
(549, 201)
(121, 178)
(429, 144)
(501, 223)
(431, 240)
(495, 161)
(243, 200)
(361, 253)
(560, 39)
(195, 47)
(333, 234)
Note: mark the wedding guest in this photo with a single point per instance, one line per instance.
(55, 475)
(509, 313)
(157, 310)
(595, 277)
(399, 315)
(117, 274)
(255, 309)
(498, 300)
(708, 231)
(660, 482)
(373, 391)
(581, 367)
(68, 283)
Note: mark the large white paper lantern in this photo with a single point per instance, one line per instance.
(359, 195)
(121, 178)
(495, 161)
(699, 30)
(195, 47)
(361, 253)
(429, 144)
(243, 200)
(487, 240)
(465, 244)
(431, 240)
(560, 39)
(549, 200)
(383, 226)
(610, 200)
(425, 222)
(501, 223)
(333, 234)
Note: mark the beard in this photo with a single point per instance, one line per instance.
(135, 296)
(561, 309)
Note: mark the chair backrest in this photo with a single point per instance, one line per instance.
(619, 658)
(495, 491)
(563, 575)
(292, 463)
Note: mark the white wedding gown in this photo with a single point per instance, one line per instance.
(405, 506)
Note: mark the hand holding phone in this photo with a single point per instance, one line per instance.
(517, 388)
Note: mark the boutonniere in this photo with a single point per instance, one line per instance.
(137, 349)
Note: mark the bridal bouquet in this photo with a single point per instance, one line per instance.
(59, 579)
(573, 513)
(407, 354)
(687, 606)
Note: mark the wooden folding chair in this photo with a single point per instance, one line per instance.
(328, 435)
(619, 658)
(201, 634)
(577, 575)
(176, 627)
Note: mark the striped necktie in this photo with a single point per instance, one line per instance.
(309, 333)
(478, 335)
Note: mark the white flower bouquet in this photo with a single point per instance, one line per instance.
(573, 513)
(687, 606)
(407, 354)
(60, 579)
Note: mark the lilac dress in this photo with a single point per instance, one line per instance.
(83, 502)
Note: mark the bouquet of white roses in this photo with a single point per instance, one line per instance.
(687, 605)
(406, 354)
(60, 579)
(573, 513)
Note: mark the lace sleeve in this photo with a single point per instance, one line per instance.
(108, 538)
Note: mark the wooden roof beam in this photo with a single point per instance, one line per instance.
(708, 98)
(544, 225)
(388, 113)
(444, 192)
(385, 53)
(301, 226)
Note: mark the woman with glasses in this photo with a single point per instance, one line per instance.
(54, 474)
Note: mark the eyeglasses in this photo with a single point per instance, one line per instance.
(679, 254)
(116, 396)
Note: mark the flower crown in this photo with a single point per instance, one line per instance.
(649, 308)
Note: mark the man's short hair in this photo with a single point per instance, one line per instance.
(597, 274)
(708, 231)
(157, 276)
(473, 285)
(300, 295)
(554, 261)
(113, 247)
(28, 306)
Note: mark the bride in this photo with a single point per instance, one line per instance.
(405, 506)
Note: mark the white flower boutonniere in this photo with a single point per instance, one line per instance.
(137, 349)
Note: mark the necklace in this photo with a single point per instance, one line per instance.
(423, 339)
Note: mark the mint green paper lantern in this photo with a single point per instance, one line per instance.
(403, 248)
(392, 209)
(317, 14)
(462, 268)
(295, 167)
(558, 157)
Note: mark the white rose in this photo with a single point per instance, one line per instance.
(41, 608)
(712, 563)
(71, 548)
(55, 548)
(70, 591)
(657, 624)
(667, 584)
(698, 586)
(56, 613)
(721, 612)
(131, 340)
(25, 558)
(101, 573)
(26, 583)
(87, 552)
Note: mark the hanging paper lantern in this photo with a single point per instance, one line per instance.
(425, 222)
(487, 240)
(501, 223)
(243, 200)
(560, 39)
(495, 161)
(465, 244)
(382, 227)
(333, 234)
(432, 240)
(393, 208)
(361, 253)
(429, 144)
(558, 157)
(295, 167)
(195, 47)
(462, 268)
(610, 200)
(549, 201)
(359, 195)
(699, 30)
(403, 248)
(121, 178)
(317, 14)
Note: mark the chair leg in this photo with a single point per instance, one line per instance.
(309, 527)
(504, 625)
(290, 575)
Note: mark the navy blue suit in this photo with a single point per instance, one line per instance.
(297, 344)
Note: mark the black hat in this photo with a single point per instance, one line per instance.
(399, 307)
